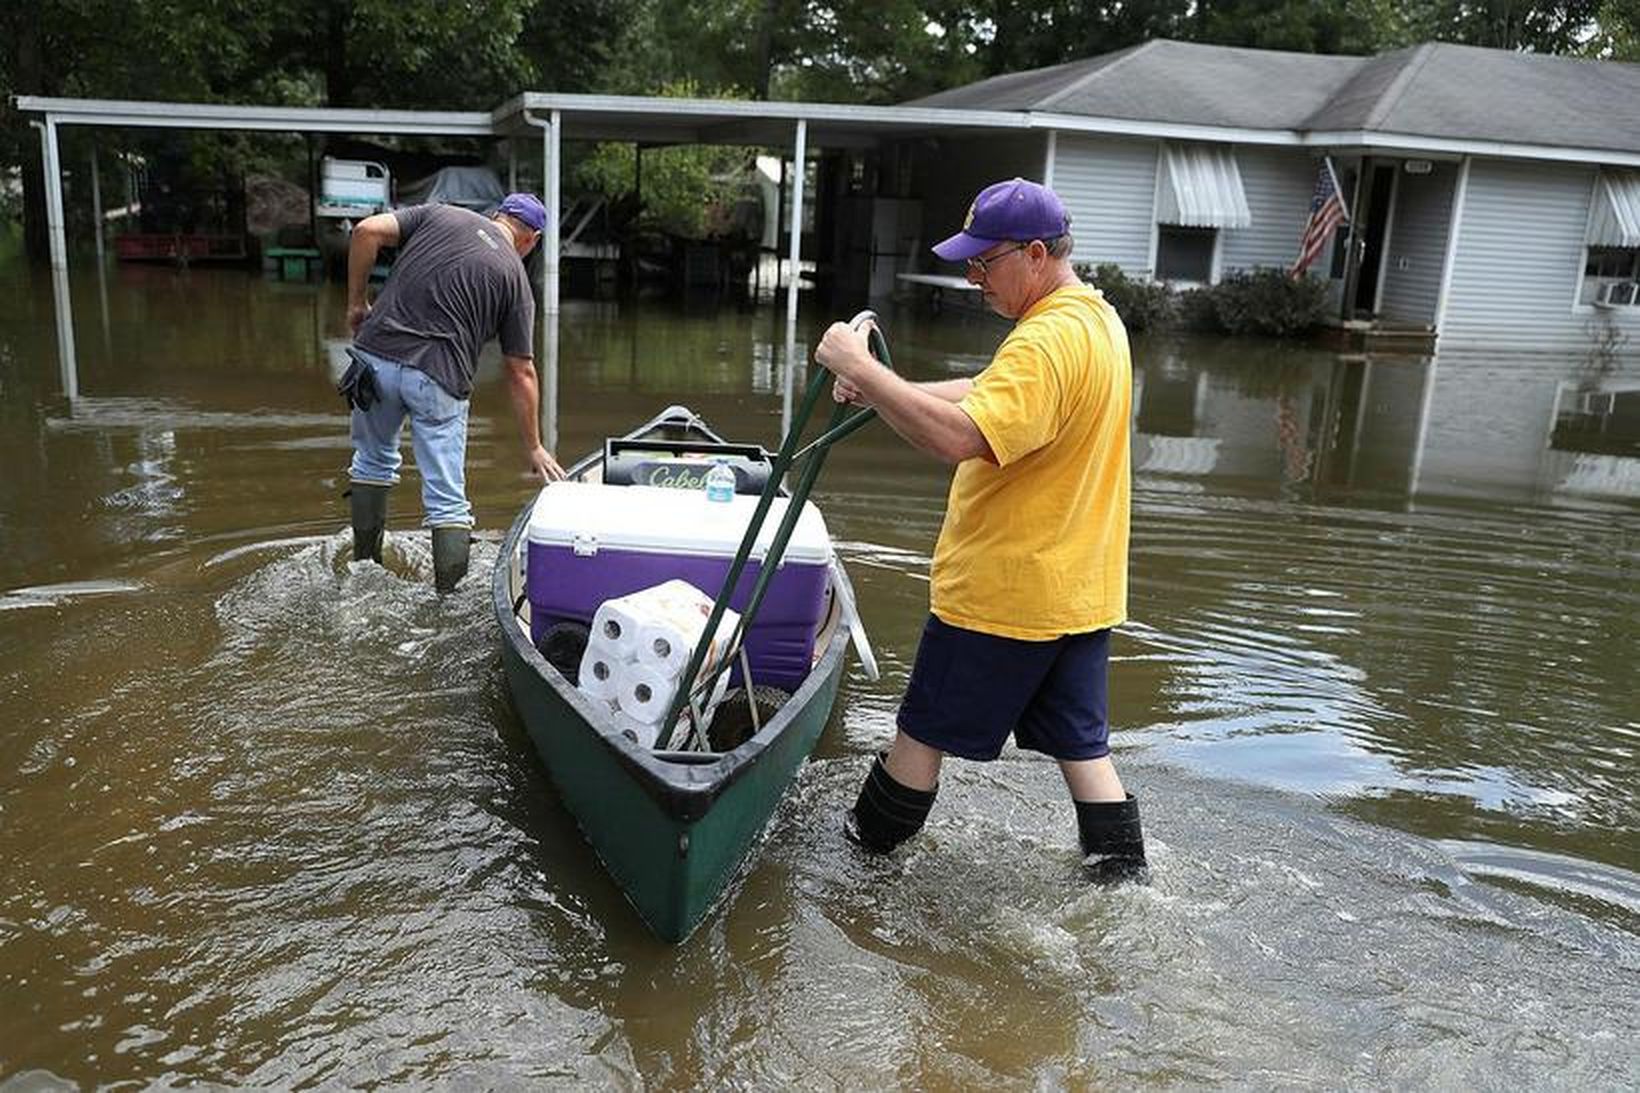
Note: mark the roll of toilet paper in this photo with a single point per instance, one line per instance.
(644, 693)
(666, 646)
(599, 677)
(615, 627)
(642, 733)
(646, 732)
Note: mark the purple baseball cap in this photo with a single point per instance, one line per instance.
(525, 207)
(1015, 210)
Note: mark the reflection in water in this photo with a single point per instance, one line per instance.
(1599, 423)
(1602, 421)
(278, 825)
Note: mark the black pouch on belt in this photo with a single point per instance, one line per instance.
(358, 384)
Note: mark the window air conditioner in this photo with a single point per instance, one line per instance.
(1618, 294)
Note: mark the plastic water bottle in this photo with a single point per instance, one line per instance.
(720, 484)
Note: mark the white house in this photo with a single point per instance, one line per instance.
(1495, 196)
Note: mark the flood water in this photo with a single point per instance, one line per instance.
(270, 819)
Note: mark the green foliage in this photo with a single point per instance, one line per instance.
(880, 52)
(433, 54)
(372, 53)
(883, 52)
(1007, 36)
(683, 187)
(1562, 27)
(1053, 31)
(686, 190)
(1619, 36)
(1264, 301)
(1143, 305)
(1304, 26)
(1193, 310)
(399, 53)
(572, 45)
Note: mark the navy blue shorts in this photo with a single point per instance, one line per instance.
(969, 690)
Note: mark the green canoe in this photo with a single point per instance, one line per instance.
(671, 827)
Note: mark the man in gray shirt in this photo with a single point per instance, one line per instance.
(458, 282)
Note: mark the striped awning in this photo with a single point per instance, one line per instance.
(1616, 218)
(1202, 189)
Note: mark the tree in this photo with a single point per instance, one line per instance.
(138, 49)
(437, 55)
(885, 52)
(1031, 36)
(1302, 26)
(571, 45)
(1619, 36)
(372, 53)
(683, 187)
(1507, 24)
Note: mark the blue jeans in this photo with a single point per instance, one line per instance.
(438, 435)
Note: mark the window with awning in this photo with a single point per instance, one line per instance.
(1616, 218)
(1202, 188)
(1611, 263)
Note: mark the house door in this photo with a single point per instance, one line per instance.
(1376, 199)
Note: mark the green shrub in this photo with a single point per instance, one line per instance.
(688, 190)
(1193, 310)
(1143, 305)
(1265, 301)
(1261, 301)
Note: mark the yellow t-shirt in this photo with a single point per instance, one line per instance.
(1035, 545)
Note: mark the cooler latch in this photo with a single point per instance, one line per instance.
(584, 545)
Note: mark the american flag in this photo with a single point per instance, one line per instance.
(1326, 213)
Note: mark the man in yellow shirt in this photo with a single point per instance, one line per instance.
(1030, 571)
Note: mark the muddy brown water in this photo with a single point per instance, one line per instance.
(267, 818)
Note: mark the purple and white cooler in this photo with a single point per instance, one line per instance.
(588, 543)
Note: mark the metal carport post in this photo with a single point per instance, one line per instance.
(795, 252)
(551, 243)
(146, 114)
(67, 370)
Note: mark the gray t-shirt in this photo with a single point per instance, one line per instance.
(456, 284)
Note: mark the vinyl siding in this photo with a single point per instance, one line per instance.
(1520, 259)
(1278, 184)
(1109, 187)
(1417, 245)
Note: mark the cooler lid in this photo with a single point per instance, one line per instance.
(591, 516)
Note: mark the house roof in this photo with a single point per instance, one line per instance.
(1464, 92)
(1435, 91)
(1167, 81)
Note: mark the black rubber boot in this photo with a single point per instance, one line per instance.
(887, 813)
(450, 549)
(1113, 846)
(368, 504)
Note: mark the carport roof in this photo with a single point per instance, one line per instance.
(144, 114)
(584, 117)
(735, 121)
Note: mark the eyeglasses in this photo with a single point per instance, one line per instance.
(982, 266)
